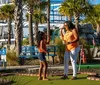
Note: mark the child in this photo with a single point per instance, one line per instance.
(42, 41)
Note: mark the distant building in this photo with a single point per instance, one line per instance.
(5, 1)
(55, 18)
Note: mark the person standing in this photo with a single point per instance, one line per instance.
(42, 41)
(71, 39)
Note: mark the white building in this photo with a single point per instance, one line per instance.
(5, 1)
(55, 18)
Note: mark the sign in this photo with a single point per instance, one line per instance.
(3, 54)
(3, 51)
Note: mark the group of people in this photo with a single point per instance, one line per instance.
(70, 39)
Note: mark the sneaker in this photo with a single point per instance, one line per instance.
(64, 77)
(73, 78)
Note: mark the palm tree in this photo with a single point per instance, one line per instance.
(7, 12)
(93, 17)
(30, 5)
(97, 19)
(38, 17)
(75, 8)
(48, 19)
(62, 10)
(18, 26)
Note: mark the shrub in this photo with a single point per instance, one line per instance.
(25, 41)
(60, 49)
(12, 59)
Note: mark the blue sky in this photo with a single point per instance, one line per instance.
(92, 1)
(95, 1)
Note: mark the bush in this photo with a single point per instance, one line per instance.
(25, 41)
(12, 60)
(61, 49)
(83, 41)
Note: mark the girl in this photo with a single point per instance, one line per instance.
(42, 41)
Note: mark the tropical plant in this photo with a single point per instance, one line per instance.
(60, 49)
(18, 26)
(26, 41)
(48, 19)
(30, 5)
(12, 59)
(75, 8)
(62, 10)
(38, 16)
(93, 17)
(7, 12)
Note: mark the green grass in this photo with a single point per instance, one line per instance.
(29, 80)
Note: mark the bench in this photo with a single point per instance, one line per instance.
(52, 49)
(29, 52)
(32, 52)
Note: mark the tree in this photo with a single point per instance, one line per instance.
(18, 26)
(48, 19)
(93, 17)
(30, 5)
(75, 8)
(62, 10)
(38, 17)
(7, 12)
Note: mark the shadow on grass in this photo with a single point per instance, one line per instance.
(78, 78)
(15, 80)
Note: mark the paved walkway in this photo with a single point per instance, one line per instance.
(33, 67)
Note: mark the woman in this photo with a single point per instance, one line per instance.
(71, 39)
(42, 52)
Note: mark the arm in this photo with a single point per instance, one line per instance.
(76, 36)
(62, 36)
(48, 39)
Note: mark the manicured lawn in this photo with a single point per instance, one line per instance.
(55, 80)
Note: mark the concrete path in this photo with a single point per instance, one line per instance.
(33, 67)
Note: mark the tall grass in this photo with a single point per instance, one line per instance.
(12, 60)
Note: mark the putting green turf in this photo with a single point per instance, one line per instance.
(55, 80)
(89, 66)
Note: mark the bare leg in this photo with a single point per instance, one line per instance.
(40, 71)
(45, 70)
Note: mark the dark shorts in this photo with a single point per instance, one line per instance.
(41, 56)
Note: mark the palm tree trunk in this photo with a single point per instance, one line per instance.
(48, 19)
(18, 26)
(9, 33)
(36, 32)
(69, 18)
(76, 19)
(30, 29)
(98, 31)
